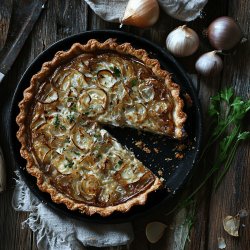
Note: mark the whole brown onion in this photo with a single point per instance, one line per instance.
(224, 33)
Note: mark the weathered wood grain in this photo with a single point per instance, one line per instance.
(5, 15)
(233, 193)
(56, 22)
(63, 18)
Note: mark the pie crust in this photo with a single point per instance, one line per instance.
(26, 106)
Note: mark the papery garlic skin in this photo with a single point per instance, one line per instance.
(182, 41)
(141, 13)
(154, 231)
(209, 64)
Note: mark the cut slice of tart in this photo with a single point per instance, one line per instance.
(60, 123)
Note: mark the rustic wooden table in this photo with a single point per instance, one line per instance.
(63, 18)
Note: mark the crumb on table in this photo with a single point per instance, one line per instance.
(142, 145)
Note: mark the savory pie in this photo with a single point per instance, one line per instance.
(60, 123)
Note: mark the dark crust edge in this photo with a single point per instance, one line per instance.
(47, 68)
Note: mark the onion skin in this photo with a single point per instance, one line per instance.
(182, 41)
(209, 64)
(224, 33)
(141, 13)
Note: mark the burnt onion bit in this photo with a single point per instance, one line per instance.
(224, 33)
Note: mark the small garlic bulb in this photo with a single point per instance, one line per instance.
(141, 13)
(182, 41)
(209, 64)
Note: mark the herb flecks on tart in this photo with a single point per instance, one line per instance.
(60, 123)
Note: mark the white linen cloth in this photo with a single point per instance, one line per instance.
(113, 10)
(57, 232)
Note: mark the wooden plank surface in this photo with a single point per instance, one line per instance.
(63, 18)
(5, 14)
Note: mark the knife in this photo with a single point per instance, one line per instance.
(11, 51)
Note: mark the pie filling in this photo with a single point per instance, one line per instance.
(63, 127)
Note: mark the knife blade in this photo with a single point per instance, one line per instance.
(5, 15)
(12, 50)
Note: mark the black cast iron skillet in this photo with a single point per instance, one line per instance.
(175, 171)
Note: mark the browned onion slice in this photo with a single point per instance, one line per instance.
(130, 173)
(59, 76)
(62, 164)
(47, 157)
(130, 71)
(157, 108)
(116, 114)
(83, 102)
(106, 78)
(117, 93)
(87, 162)
(135, 113)
(65, 79)
(58, 142)
(146, 91)
(38, 123)
(90, 185)
(98, 102)
(40, 146)
(82, 139)
(48, 94)
(88, 77)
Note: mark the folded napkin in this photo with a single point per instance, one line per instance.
(113, 10)
(57, 232)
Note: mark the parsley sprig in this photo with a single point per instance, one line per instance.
(227, 113)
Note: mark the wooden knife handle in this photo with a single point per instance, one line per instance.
(2, 172)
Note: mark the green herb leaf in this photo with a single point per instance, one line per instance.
(116, 72)
(227, 94)
(227, 113)
(71, 117)
(243, 136)
(134, 82)
(73, 107)
(118, 164)
(56, 121)
(69, 164)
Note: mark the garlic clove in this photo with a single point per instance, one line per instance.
(141, 13)
(209, 64)
(182, 41)
(154, 231)
(231, 225)
(221, 243)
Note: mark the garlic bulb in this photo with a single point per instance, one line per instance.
(209, 64)
(154, 231)
(141, 13)
(182, 41)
